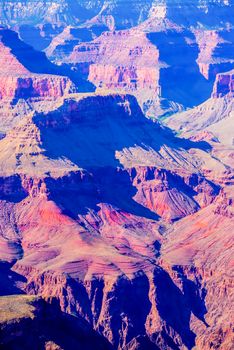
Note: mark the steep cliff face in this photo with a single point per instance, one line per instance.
(90, 211)
(184, 279)
(98, 286)
(34, 86)
(121, 61)
(62, 45)
(188, 42)
(12, 12)
(18, 82)
(214, 117)
(59, 142)
(67, 12)
(29, 81)
(120, 226)
(21, 313)
(38, 22)
(207, 12)
(224, 85)
(210, 263)
(215, 51)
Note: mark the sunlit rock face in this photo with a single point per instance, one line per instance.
(123, 13)
(121, 61)
(28, 80)
(116, 225)
(213, 119)
(183, 42)
(198, 37)
(17, 81)
(89, 192)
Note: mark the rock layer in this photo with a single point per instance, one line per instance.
(17, 82)
(95, 232)
(224, 85)
(123, 228)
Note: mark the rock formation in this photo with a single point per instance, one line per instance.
(224, 85)
(17, 82)
(177, 49)
(50, 329)
(116, 232)
(135, 70)
(28, 80)
(215, 115)
(94, 246)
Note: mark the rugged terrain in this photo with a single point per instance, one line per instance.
(116, 215)
(50, 329)
(175, 43)
(214, 116)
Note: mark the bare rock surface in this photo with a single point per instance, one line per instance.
(116, 232)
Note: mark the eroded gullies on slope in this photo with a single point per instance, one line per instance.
(83, 223)
(100, 206)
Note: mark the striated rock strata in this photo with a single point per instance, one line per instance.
(17, 82)
(89, 192)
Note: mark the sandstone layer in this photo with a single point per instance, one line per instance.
(88, 218)
(116, 232)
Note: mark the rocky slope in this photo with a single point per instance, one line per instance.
(118, 230)
(121, 61)
(188, 42)
(38, 22)
(19, 82)
(62, 45)
(210, 255)
(214, 116)
(66, 11)
(28, 80)
(74, 12)
(50, 329)
(198, 37)
(94, 246)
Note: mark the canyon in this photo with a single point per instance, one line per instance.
(116, 175)
(148, 57)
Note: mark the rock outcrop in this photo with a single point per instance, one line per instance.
(180, 42)
(224, 85)
(50, 329)
(29, 81)
(115, 232)
(214, 118)
(121, 61)
(89, 213)
(18, 82)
